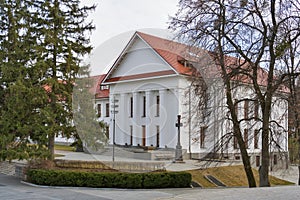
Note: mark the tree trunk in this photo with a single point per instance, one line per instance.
(299, 174)
(245, 158)
(298, 134)
(248, 168)
(238, 135)
(51, 146)
(264, 169)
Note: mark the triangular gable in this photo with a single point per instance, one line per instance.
(172, 52)
(176, 54)
(140, 60)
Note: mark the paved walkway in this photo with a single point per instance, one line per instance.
(12, 189)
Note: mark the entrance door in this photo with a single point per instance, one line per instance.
(157, 136)
(143, 135)
(257, 161)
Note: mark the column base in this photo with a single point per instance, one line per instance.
(178, 154)
(178, 161)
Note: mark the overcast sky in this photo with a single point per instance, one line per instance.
(113, 17)
(116, 19)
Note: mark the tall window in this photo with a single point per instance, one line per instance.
(256, 136)
(236, 107)
(256, 107)
(246, 138)
(131, 134)
(107, 110)
(246, 109)
(235, 143)
(143, 135)
(202, 136)
(157, 136)
(131, 107)
(275, 160)
(257, 161)
(157, 106)
(99, 110)
(144, 106)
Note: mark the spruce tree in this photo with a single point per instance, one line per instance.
(91, 133)
(64, 42)
(42, 44)
(22, 93)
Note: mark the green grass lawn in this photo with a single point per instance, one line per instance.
(231, 176)
(61, 147)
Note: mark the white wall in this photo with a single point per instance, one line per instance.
(163, 87)
(140, 59)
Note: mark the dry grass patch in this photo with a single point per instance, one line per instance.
(61, 147)
(231, 176)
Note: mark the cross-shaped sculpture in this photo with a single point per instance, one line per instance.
(178, 152)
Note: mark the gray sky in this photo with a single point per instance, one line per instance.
(113, 17)
(116, 20)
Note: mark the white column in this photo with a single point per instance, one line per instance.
(162, 118)
(135, 120)
(123, 125)
(149, 133)
(179, 99)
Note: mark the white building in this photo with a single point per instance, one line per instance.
(150, 84)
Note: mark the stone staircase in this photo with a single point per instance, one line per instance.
(138, 153)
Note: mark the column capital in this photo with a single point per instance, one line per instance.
(148, 92)
(162, 91)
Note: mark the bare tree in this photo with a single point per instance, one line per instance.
(255, 32)
(292, 64)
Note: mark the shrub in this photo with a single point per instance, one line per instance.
(109, 179)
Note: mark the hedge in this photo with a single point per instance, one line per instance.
(109, 179)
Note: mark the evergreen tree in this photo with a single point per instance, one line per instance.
(42, 43)
(63, 44)
(22, 93)
(90, 132)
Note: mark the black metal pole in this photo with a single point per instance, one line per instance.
(114, 130)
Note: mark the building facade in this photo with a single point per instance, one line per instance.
(149, 85)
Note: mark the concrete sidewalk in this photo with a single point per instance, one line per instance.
(11, 188)
(291, 174)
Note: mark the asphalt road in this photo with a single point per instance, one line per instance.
(12, 189)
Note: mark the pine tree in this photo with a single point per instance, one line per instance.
(64, 43)
(21, 91)
(90, 132)
(42, 43)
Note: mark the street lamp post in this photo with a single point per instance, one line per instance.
(114, 112)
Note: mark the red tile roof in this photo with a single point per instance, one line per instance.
(139, 76)
(96, 88)
(173, 53)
